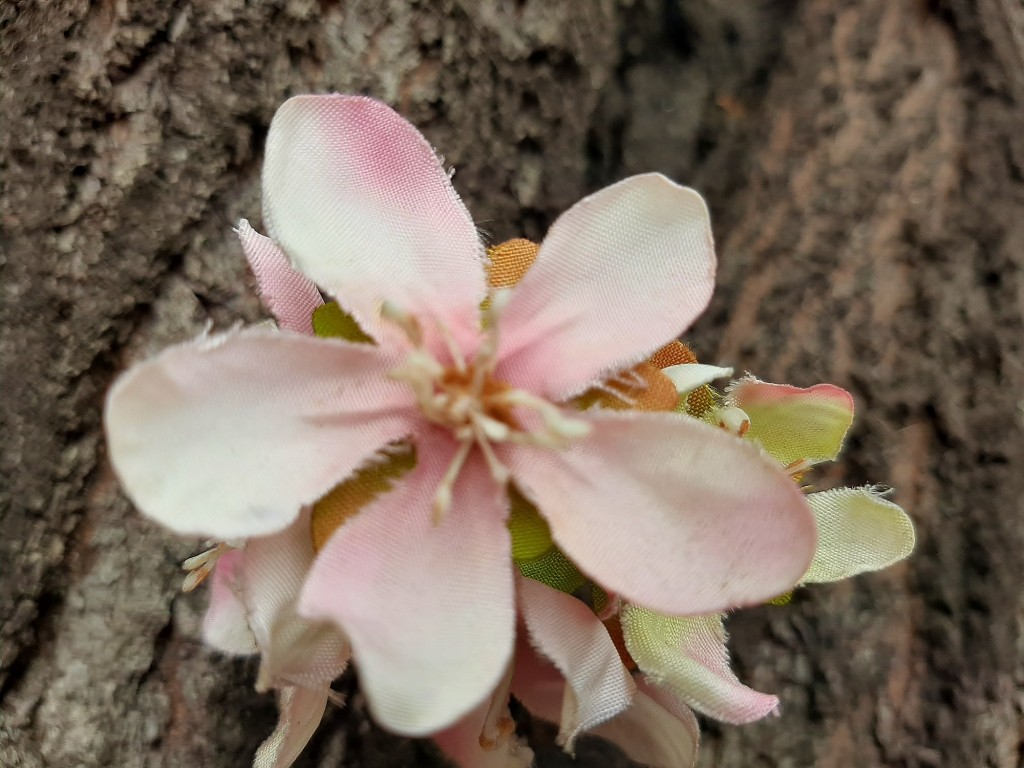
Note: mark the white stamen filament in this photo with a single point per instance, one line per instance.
(492, 428)
(488, 352)
(499, 471)
(453, 348)
(200, 566)
(555, 420)
(443, 496)
(618, 394)
(630, 379)
(498, 724)
(409, 325)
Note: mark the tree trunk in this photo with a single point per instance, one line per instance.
(864, 164)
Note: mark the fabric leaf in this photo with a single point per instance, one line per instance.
(858, 531)
(793, 423)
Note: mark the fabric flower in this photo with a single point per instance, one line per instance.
(233, 435)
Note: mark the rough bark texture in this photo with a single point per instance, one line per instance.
(864, 162)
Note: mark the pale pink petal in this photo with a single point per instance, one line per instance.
(229, 436)
(295, 651)
(298, 658)
(289, 295)
(226, 624)
(688, 658)
(670, 512)
(273, 572)
(567, 632)
(300, 711)
(672, 705)
(618, 275)
(536, 683)
(652, 735)
(428, 608)
(656, 728)
(461, 743)
(361, 204)
(794, 423)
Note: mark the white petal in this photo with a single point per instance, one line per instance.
(300, 712)
(226, 624)
(567, 632)
(360, 202)
(427, 607)
(461, 743)
(229, 436)
(670, 512)
(652, 735)
(618, 275)
(295, 650)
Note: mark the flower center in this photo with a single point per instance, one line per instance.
(468, 399)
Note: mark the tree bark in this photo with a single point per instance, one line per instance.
(864, 164)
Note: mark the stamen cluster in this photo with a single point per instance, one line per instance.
(466, 397)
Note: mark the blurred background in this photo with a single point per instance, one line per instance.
(864, 164)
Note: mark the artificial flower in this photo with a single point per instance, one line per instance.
(233, 435)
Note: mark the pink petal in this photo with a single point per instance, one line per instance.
(226, 624)
(295, 650)
(427, 608)
(567, 632)
(794, 423)
(656, 730)
(618, 275)
(357, 198)
(461, 743)
(273, 571)
(289, 295)
(687, 657)
(301, 710)
(263, 581)
(228, 436)
(672, 705)
(669, 512)
(653, 735)
(536, 683)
